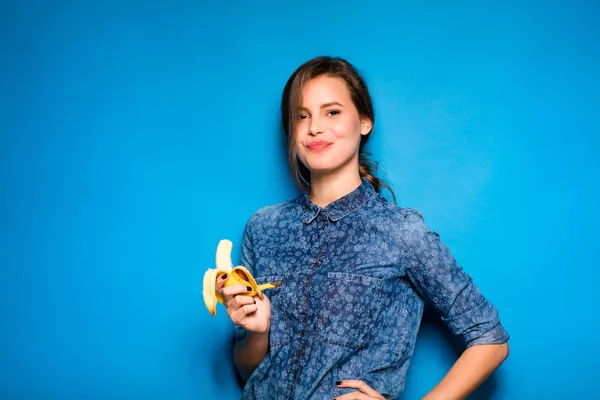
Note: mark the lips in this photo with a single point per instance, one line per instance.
(318, 145)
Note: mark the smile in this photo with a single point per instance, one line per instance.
(318, 146)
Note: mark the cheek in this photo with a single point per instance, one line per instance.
(300, 150)
(347, 130)
(298, 143)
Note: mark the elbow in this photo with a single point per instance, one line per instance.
(495, 343)
(499, 353)
(495, 354)
(503, 352)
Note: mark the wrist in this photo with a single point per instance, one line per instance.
(261, 330)
(259, 334)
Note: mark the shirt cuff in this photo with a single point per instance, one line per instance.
(497, 335)
(240, 333)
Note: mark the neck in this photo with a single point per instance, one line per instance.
(327, 188)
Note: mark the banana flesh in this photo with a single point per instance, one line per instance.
(235, 276)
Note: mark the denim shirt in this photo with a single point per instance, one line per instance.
(355, 276)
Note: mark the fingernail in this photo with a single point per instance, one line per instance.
(338, 383)
(254, 301)
(224, 276)
(249, 288)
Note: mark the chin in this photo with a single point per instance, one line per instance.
(318, 166)
(321, 169)
(323, 166)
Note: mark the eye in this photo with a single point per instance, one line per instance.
(333, 113)
(302, 117)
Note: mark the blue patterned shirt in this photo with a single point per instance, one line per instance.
(355, 275)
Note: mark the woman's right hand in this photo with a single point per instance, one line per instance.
(251, 313)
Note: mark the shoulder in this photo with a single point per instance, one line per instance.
(275, 213)
(403, 216)
(405, 222)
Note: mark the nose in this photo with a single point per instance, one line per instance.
(315, 126)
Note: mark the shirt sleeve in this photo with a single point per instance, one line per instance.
(444, 284)
(247, 260)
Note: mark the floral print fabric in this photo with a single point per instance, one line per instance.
(355, 276)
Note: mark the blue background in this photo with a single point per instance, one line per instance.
(136, 135)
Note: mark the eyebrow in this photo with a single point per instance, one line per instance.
(332, 103)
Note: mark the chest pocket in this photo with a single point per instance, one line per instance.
(279, 333)
(345, 308)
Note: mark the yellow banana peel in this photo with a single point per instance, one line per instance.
(235, 276)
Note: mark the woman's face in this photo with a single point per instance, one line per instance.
(329, 128)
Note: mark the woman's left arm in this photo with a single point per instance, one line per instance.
(468, 372)
(443, 283)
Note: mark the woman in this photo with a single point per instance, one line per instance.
(355, 268)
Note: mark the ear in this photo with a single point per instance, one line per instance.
(366, 126)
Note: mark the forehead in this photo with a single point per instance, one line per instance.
(324, 89)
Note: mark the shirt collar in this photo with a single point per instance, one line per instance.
(339, 208)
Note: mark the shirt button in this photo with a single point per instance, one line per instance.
(313, 260)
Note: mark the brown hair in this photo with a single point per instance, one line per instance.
(359, 93)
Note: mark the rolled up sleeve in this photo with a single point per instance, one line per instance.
(444, 284)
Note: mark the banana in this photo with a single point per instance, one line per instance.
(237, 275)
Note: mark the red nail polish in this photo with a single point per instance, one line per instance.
(338, 383)
(224, 276)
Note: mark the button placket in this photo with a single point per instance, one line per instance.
(323, 220)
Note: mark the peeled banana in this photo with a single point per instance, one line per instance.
(235, 276)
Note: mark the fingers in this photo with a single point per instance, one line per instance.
(240, 315)
(235, 290)
(220, 283)
(365, 390)
(354, 396)
(240, 301)
(238, 306)
(233, 296)
(229, 290)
